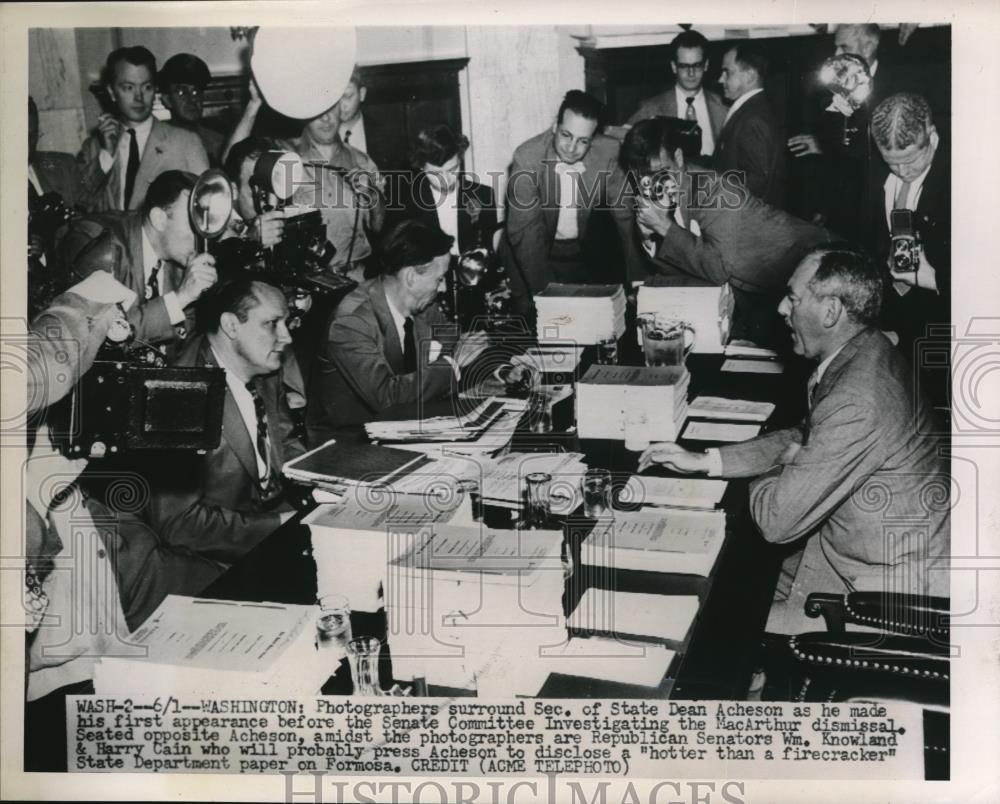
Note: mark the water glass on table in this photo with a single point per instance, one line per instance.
(536, 492)
(607, 351)
(636, 430)
(597, 493)
(333, 625)
(362, 656)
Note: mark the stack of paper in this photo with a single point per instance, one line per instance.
(460, 427)
(336, 467)
(556, 363)
(720, 431)
(708, 309)
(488, 440)
(581, 314)
(607, 396)
(738, 410)
(503, 479)
(675, 541)
(220, 647)
(609, 660)
(469, 595)
(673, 492)
(665, 618)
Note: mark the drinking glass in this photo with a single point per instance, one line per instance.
(607, 352)
(333, 625)
(596, 493)
(362, 656)
(636, 430)
(537, 485)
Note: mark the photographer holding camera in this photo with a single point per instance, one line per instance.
(912, 223)
(152, 251)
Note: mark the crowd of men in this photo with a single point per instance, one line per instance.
(572, 199)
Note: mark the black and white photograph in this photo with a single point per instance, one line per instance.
(469, 403)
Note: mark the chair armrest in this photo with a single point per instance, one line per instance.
(896, 613)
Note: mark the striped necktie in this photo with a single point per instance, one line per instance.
(268, 483)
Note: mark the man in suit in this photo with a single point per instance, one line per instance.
(750, 141)
(343, 182)
(860, 440)
(688, 98)
(50, 171)
(716, 232)
(220, 505)
(915, 175)
(153, 252)
(182, 81)
(130, 147)
(387, 342)
(559, 179)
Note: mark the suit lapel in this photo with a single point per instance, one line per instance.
(234, 429)
(386, 324)
(152, 158)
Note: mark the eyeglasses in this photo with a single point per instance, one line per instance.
(691, 67)
(186, 91)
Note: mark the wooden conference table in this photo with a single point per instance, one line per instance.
(715, 660)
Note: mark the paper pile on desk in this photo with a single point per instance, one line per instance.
(470, 595)
(671, 541)
(708, 309)
(607, 395)
(336, 467)
(673, 492)
(503, 479)
(219, 647)
(717, 407)
(665, 618)
(580, 314)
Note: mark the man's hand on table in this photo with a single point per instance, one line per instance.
(674, 458)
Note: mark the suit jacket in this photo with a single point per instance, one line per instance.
(751, 142)
(477, 212)
(212, 504)
(168, 148)
(862, 470)
(665, 105)
(58, 173)
(533, 208)
(358, 370)
(743, 241)
(112, 242)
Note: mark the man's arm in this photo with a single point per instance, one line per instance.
(758, 455)
(353, 347)
(755, 148)
(526, 230)
(843, 448)
(698, 256)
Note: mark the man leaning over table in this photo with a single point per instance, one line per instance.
(859, 443)
(387, 342)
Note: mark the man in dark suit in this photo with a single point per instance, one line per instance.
(152, 251)
(861, 440)
(914, 175)
(220, 505)
(387, 342)
(688, 99)
(750, 141)
(50, 171)
(130, 147)
(558, 180)
(717, 232)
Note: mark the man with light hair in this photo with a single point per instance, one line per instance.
(915, 176)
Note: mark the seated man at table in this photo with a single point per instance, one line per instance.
(223, 503)
(713, 230)
(855, 465)
(387, 342)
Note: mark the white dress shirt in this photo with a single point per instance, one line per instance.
(701, 112)
(435, 348)
(357, 129)
(149, 261)
(33, 179)
(447, 212)
(566, 227)
(892, 186)
(740, 101)
(121, 152)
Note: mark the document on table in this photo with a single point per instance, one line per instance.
(717, 407)
(754, 366)
(747, 349)
(720, 431)
(675, 492)
(664, 617)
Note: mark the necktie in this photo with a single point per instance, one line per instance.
(409, 348)
(690, 113)
(902, 194)
(267, 484)
(153, 283)
(347, 137)
(132, 168)
(810, 393)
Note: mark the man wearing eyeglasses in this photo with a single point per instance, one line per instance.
(183, 80)
(687, 99)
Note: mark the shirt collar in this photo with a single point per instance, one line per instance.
(822, 367)
(681, 95)
(141, 129)
(399, 319)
